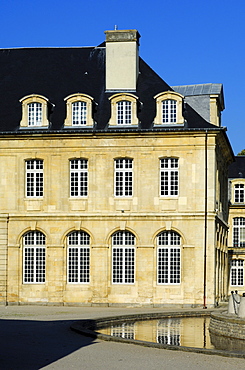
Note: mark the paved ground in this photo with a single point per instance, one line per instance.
(39, 337)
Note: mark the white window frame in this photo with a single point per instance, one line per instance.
(35, 114)
(168, 331)
(238, 232)
(169, 177)
(34, 258)
(123, 177)
(169, 111)
(34, 178)
(169, 258)
(124, 112)
(238, 193)
(78, 178)
(79, 113)
(123, 258)
(237, 272)
(78, 258)
(124, 330)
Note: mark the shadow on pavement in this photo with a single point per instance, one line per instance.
(27, 344)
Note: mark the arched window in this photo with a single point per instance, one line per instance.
(78, 257)
(35, 111)
(123, 257)
(236, 272)
(169, 108)
(79, 113)
(79, 110)
(124, 110)
(239, 232)
(34, 257)
(168, 258)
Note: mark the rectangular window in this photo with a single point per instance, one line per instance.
(123, 177)
(34, 178)
(34, 114)
(169, 177)
(236, 274)
(239, 193)
(239, 232)
(79, 113)
(124, 112)
(78, 178)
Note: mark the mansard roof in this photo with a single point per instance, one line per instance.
(237, 168)
(59, 72)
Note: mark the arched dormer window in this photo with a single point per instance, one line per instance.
(34, 111)
(169, 108)
(78, 110)
(123, 110)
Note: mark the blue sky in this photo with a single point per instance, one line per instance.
(185, 42)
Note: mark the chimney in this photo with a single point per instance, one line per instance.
(122, 60)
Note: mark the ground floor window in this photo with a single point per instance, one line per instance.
(78, 257)
(123, 258)
(236, 273)
(168, 258)
(34, 257)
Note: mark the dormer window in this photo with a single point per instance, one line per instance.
(169, 108)
(78, 110)
(34, 111)
(123, 110)
(79, 113)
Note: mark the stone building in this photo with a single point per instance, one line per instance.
(236, 241)
(114, 185)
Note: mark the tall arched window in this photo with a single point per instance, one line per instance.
(78, 257)
(123, 257)
(168, 258)
(34, 257)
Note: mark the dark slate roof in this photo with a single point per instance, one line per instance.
(237, 168)
(59, 72)
(202, 89)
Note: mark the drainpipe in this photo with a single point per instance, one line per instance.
(205, 220)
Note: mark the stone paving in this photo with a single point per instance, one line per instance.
(39, 337)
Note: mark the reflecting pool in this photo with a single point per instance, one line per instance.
(187, 331)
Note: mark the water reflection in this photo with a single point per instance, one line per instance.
(189, 331)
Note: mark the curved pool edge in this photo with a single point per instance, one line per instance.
(89, 328)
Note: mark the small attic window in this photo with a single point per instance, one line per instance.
(169, 108)
(34, 111)
(78, 110)
(123, 110)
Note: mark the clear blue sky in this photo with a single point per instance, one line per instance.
(185, 42)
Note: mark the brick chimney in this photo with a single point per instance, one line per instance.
(122, 60)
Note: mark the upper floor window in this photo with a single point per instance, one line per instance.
(78, 259)
(169, 177)
(239, 193)
(123, 109)
(34, 257)
(169, 108)
(79, 113)
(168, 258)
(239, 232)
(123, 177)
(124, 112)
(78, 177)
(236, 273)
(34, 178)
(79, 110)
(34, 111)
(123, 257)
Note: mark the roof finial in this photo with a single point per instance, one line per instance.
(115, 27)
